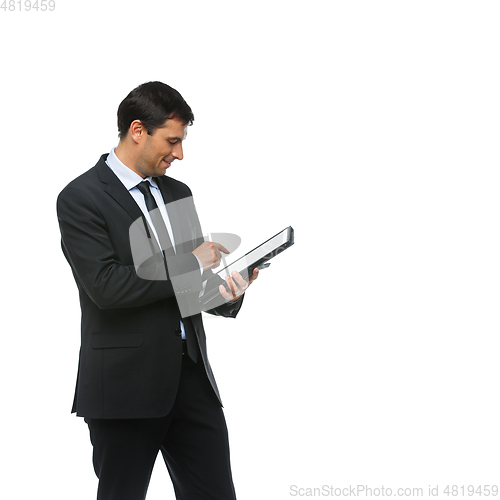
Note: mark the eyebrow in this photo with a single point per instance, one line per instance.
(174, 139)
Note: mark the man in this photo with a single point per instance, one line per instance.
(144, 381)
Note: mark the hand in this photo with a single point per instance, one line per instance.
(236, 290)
(209, 254)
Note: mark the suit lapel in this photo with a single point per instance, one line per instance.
(166, 192)
(173, 213)
(114, 187)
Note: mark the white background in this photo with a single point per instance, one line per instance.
(368, 352)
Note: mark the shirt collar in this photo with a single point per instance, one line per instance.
(128, 177)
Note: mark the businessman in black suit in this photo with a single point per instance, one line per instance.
(144, 380)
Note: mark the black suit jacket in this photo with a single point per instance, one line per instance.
(131, 348)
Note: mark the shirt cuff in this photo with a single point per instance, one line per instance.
(199, 264)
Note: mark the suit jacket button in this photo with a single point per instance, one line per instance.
(178, 332)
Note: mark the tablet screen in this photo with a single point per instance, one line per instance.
(256, 254)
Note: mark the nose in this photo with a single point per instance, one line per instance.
(177, 151)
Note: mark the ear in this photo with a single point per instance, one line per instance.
(137, 131)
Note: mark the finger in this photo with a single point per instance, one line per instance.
(215, 256)
(239, 280)
(230, 284)
(233, 287)
(225, 293)
(220, 247)
(254, 276)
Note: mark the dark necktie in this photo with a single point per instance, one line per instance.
(166, 244)
(158, 222)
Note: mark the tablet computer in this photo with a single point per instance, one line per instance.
(258, 257)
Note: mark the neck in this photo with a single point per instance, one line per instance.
(126, 156)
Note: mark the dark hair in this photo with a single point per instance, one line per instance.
(153, 103)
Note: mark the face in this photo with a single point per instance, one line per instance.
(161, 148)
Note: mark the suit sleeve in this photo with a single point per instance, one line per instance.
(228, 309)
(97, 268)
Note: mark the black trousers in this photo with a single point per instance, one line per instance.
(192, 438)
